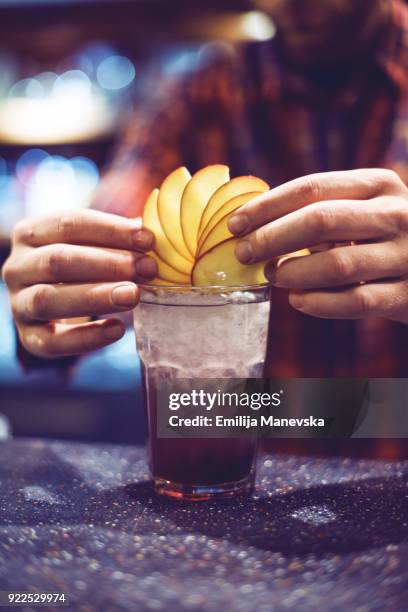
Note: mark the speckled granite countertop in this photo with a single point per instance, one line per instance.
(319, 534)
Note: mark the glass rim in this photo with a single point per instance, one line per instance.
(203, 288)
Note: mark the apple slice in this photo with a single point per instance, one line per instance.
(219, 266)
(167, 273)
(238, 185)
(168, 208)
(198, 191)
(226, 209)
(300, 253)
(163, 247)
(220, 233)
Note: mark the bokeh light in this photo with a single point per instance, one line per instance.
(75, 103)
(258, 26)
(27, 164)
(11, 204)
(180, 62)
(60, 184)
(47, 80)
(27, 88)
(78, 102)
(73, 85)
(115, 72)
(41, 184)
(90, 56)
(86, 175)
(3, 171)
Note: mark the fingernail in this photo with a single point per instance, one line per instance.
(146, 267)
(143, 239)
(113, 331)
(244, 251)
(296, 300)
(137, 223)
(124, 295)
(237, 224)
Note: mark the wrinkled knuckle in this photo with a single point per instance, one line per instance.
(23, 231)
(400, 218)
(88, 297)
(322, 220)
(94, 299)
(55, 262)
(14, 306)
(342, 266)
(385, 179)
(261, 242)
(39, 303)
(122, 266)
(111, 232)
(309, 190)
(8, 272)
(389, 177)
(363, 301)
(115, 267)
(67, 227)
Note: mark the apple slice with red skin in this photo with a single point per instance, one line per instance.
(237, 186)
(217, 228)
(169, 209)
(219, 266)
(228, 208)
(195, 197)
(163, 247)
(220, 233)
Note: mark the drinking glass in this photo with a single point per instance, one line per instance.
(200, 333)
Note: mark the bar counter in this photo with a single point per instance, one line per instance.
(317, 534)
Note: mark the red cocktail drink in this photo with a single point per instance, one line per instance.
(200, 333)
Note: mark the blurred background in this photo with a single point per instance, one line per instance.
(70, 75)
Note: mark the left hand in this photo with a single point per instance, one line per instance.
(365, 209)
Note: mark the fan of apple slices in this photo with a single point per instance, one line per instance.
(189, 218)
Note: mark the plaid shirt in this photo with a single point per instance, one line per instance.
(241, 106)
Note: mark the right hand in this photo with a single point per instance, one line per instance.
(76, 264)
